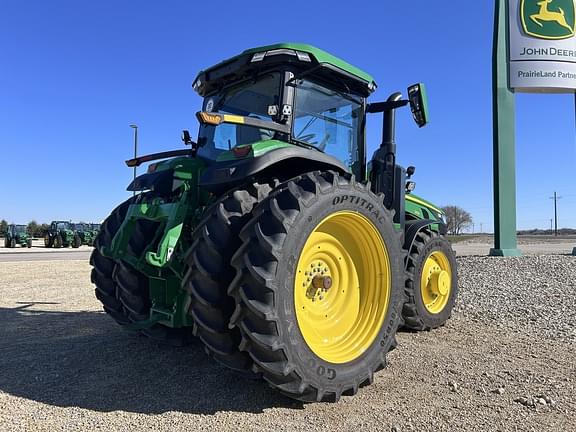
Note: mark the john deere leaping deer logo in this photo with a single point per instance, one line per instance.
(548, 19)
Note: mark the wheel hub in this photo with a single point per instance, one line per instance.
(342, 287)
(436, 282)
(441, 282)
(318, 280)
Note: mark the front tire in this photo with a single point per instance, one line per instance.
(319, 284)
(210, 272)
(432, 284)
(57, 241)
(122, 290)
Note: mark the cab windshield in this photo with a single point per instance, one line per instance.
(62, 226)
(20, 228)
(328, 120)
(249, 99)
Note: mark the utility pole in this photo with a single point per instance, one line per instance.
(481, 230)
(555, 198)
(135, 127)
(551, 228)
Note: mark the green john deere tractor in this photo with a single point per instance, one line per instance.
(272, 239)
(85, 232)
(61, 234)
(17, 235)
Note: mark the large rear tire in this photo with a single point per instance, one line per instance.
(210, 272)
(319, 286)
(432, 282)
(122, 290)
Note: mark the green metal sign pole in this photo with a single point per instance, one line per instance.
(503, 114)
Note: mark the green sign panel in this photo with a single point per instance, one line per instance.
(548, 19)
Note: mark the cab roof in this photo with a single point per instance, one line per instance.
(303, 56)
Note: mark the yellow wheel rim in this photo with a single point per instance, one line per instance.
(436, 282)
(342, 287)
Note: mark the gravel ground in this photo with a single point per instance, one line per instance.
(505, 361)
(528, 245)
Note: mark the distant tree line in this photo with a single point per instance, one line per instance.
(536, 231)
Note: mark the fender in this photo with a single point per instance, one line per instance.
(152, 181)
(291, 160)
(413, 227)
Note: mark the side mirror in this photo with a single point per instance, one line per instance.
(418, 103)
(186, 137)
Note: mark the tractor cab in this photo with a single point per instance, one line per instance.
(284, 95)
(60, 225)
(17, 229)
(79, 227)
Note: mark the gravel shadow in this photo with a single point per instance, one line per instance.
(85, 360)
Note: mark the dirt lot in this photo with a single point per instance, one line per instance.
(64, 365)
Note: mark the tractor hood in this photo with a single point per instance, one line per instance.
(423, 209)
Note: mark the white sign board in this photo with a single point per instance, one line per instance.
(542, 52)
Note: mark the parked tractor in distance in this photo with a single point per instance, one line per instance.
(273, 239)
(86, 232)
(17, 235)
(61, 234)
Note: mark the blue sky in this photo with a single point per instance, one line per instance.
(74, 75)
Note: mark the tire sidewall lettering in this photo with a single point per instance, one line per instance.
(361, 202)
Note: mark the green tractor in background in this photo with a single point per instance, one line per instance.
(17, 235)
(61, 234)
(272, 239)
(86, 232)
(95, 228)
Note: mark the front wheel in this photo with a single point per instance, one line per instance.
(122, 290)
(432, 284)
(57, 241)
(47, 241)
(210, 272)
(13, 243)
(319, 286)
